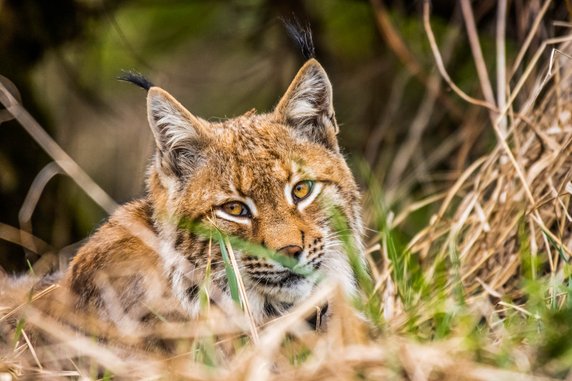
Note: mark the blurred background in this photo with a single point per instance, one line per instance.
(402, 129)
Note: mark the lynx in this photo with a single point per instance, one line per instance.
(276, 180)
(271, 179)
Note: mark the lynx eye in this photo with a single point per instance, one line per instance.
(302, 190)
(235, 208)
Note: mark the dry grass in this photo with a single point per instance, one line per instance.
(482, 292)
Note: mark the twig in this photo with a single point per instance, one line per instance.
(441, 66)
(475, 44)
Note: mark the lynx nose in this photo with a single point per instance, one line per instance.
(293, 251)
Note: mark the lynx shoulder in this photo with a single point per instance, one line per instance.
(270, 179)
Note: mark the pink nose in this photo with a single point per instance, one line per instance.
(293, 251)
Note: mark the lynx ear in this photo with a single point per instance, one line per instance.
(180, 136)
(308, 108)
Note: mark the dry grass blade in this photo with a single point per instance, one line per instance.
(485, 82)
(480, 64)
(528, 71)
(35, 297)
(29, 205)
(501, 61)
(526, 44)
(66, 163)
(273, 336)
(86, 346)
(36, 189)
(32, 350)
(22, 238)
(484, 223)
(441, 65)
(242, 290)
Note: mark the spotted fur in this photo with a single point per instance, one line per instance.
(146, 259)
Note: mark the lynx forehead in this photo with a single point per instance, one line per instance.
(271, 179)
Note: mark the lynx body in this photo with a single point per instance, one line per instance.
(270, 179)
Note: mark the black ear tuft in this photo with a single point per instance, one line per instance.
(301, 35)
(135, 78)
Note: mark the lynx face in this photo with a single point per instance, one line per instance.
(271, 179)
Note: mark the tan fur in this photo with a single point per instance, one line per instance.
(145, 261)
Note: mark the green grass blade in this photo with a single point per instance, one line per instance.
(230, 274)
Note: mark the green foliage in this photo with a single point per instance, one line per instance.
(370, 303)
(107, 375)
(555, 352)
(20, 324)
(230, 273)
(405, 268)
(349, 29)
(204, 351)
(296, 351)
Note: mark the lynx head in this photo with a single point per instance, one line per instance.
(271, 179)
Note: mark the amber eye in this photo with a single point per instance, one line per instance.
(302, 190)
(237, 209)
